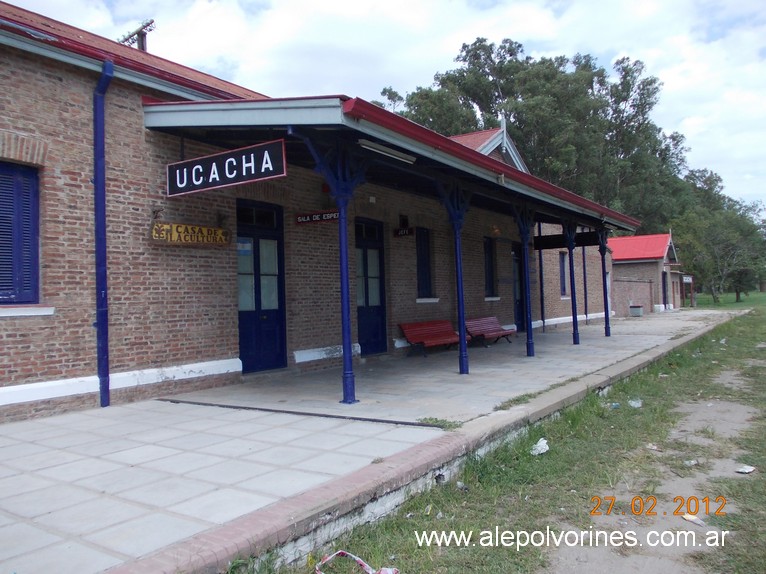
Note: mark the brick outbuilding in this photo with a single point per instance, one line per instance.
(646, 274)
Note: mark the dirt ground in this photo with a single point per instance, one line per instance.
(698, 449)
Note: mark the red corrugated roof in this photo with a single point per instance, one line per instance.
(57, 34)
(475, 140)
(639, 247)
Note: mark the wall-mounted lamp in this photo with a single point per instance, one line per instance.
(387, 151)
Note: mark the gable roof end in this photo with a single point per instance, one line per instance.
(494, 142)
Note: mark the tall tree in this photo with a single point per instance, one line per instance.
(575, 125)
(721, 241)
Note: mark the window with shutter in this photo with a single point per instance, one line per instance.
(563, 269)
(19, 255)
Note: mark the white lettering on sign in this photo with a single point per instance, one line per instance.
(197, 175)
(317, 217)
(231, 163)
(261, 161)
(266, 165)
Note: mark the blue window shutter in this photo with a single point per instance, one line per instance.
(7, 203)
(19, 250)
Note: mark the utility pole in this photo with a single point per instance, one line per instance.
(138, 36)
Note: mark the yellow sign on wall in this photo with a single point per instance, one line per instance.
(185, 234)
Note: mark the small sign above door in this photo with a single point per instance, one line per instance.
(317, 216)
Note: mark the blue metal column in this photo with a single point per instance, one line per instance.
(342, 175)
(456, 202)
(570, 230)
(99, 214)
(585, 284)
(342, 191)
(603, 234)
(540, 270)
(525, 222)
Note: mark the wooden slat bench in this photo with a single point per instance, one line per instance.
(484, 328)
(430, 334)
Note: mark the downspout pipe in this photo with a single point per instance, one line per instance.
(99, 213)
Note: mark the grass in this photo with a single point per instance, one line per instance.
(443, 424)
(595, 450)
(728, 300)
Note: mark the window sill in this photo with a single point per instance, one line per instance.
(492, 298)
(566, 298)
(427, 300)
(26, 311)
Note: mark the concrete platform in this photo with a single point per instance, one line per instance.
(186, 483)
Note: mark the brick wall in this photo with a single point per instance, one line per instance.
(587, 280)
(637, 284)
(37, 99)
(167, 305)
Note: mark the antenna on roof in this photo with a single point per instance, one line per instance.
(138, 35)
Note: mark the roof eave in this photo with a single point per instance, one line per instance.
(373, 121)
(83, 56)
(378, 121)
(639, 260)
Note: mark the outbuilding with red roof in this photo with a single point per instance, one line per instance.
(645, 273)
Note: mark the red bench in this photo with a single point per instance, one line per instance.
(430, 334)
(487, 328)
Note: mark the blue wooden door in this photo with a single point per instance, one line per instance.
(370, 292)
(260, 277)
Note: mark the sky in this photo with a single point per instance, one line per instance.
(710, 55)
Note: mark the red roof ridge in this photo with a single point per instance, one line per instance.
(74, 40)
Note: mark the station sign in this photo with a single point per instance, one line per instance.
(233, 167)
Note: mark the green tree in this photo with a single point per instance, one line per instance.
(440, 110)
(720, 240)
(574, 126)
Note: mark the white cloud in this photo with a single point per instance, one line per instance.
(709, 54)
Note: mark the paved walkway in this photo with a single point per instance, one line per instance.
(179, 484)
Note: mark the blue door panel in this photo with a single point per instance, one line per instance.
(262, 333)
(370, 293)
